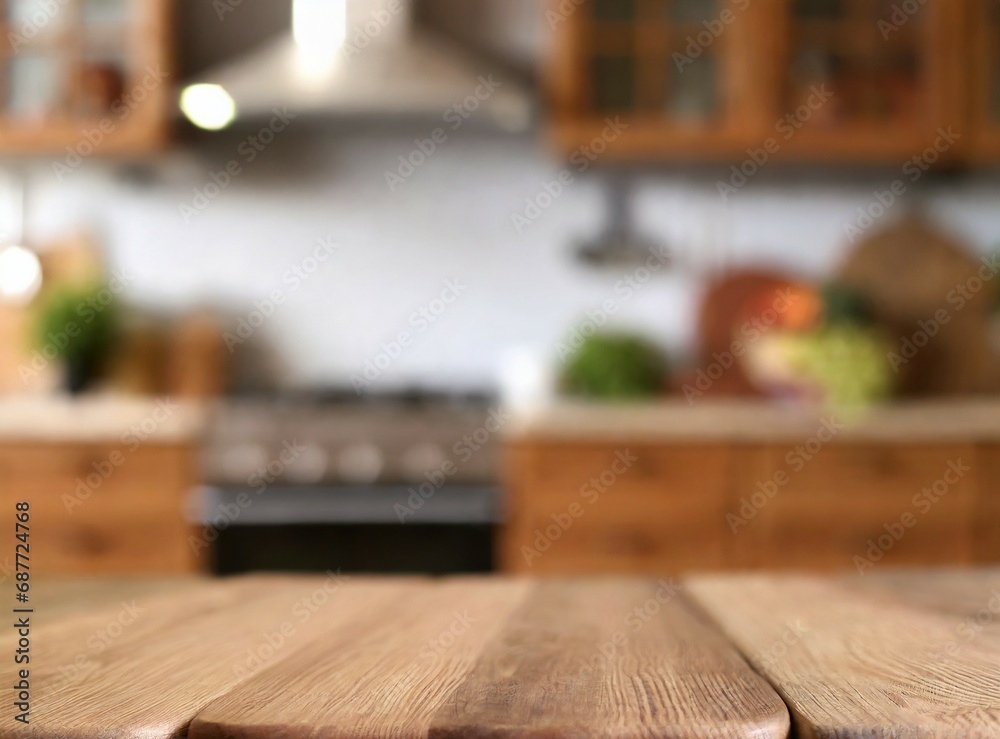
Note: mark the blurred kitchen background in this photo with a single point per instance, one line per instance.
(500, 285)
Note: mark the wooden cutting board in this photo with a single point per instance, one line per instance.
(292, 657)
(928, 289)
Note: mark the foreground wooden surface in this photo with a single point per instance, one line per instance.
(886, 655)
(880, 656)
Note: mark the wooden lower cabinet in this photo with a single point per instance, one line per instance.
(673, 507)
(101, 508)
(615, 508)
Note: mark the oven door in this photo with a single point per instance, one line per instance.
(375, 529)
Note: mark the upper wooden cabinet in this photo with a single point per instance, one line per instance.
(79, 77)
(813, 80)
(672, 71)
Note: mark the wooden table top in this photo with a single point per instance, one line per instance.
(887, 655)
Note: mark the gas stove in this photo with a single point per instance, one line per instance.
(336, 437)
(394, 482)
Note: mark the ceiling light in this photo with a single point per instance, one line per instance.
(319, 28)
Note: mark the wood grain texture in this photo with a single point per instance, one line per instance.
(58, 597)
(385, 674)
(610, 658)
(144, 668)
(857, 664)
(969, 598)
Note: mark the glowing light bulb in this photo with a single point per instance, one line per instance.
(20, 274)
(208, 106)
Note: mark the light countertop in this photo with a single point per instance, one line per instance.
(967, 419)
(99, 418)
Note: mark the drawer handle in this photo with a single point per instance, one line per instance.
(626, 541)
(87, 541)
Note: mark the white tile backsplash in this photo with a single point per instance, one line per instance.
(451, 220)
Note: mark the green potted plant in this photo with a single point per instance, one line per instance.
(612, 365)
(77, 326)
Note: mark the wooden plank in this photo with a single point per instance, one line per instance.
(58, 597)
(852, 665)
(146, 668)
(619, 658)
(970, 598)
(384, 674)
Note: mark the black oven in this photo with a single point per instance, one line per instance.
(370, 529)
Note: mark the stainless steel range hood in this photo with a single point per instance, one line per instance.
(365, 58)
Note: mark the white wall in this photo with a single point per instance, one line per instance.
(450, 220)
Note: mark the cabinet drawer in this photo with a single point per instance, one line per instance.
(63, 468)
(826, 510)
(855, 544)
(109, 544)
(99, 508)
(615, 543)
(640, 508)
(681, 470)
(72, 478)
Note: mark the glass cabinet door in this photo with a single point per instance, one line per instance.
(654, 58)
(870, 55)
(69, 66)
(876, 80)
(36, 67)
(666, 68)
(822, 80)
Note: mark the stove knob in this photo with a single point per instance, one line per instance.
(420, 459)
(309, 466)
(360, 463)
(240, 461)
